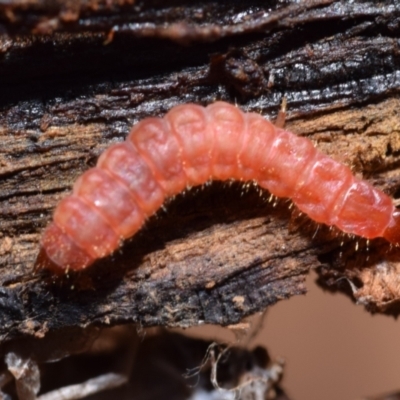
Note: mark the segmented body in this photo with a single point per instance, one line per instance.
(189, 146)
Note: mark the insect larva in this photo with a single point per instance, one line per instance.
(189, 146)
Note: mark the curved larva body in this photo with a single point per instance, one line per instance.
(189, 146)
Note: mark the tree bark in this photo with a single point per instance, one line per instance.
(75, 76)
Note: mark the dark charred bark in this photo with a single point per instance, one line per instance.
(75, 76)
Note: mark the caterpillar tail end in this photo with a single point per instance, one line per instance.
(392, 232)
(59, 254)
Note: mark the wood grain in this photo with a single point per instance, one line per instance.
(223, 252)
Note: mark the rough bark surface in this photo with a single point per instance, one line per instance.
(75, 76)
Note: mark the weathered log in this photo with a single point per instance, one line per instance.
(72, 83)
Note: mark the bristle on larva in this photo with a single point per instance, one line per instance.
(188, 147)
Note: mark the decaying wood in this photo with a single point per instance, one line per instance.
(73, 81)
(127, 365)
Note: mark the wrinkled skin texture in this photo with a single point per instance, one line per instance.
(189, 146)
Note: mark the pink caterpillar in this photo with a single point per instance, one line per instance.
(189, 146)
